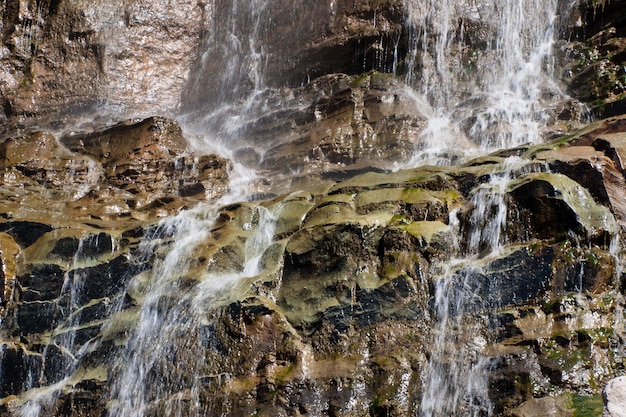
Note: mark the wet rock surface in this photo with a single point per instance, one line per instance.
(596, 72)
(338, 320)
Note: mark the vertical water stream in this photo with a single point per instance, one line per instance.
(159, 369)
(455, 380)
(487, 70)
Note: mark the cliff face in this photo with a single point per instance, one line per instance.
(63, 58)
(134, 283)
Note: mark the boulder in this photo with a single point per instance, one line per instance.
(552, 205)
(614, 395)
(545, 407)
(149, 159)
(595, 162)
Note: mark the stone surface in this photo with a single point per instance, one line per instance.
(60, 58)
(138, 166)
(614, 395)
(595, 73)
(341, 316)
(343, 304)
(370, 118)
(545, 407)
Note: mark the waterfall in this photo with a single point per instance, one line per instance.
(235, 60)
(455, 381)
(492, 90)
(483, 73)
(487, 70)
(159, 368)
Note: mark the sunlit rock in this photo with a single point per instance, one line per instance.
(150, 158)
(348, 286)
(553, 205)
(614, 395)
(62, 58)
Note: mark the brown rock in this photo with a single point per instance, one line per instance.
(367, 120)
(150, 139)
(149, 160)
(545, 407)
(9, 265)
(61, 58)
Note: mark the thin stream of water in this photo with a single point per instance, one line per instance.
(455, 380)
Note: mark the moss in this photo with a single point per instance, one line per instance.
(587, 406)
(359, 80)
(424, 230)
(283, 375)
(398, 219)
(592, 259)
(381, 398)
(390, 271)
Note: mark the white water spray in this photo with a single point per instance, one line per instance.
(487, 69)
(455, 379)
(159, 367)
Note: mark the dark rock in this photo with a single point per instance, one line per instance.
(25, 233)
(18, 369)
(65, 248)
(105, 280)
(37, 317)
(191, 190)
(549, 206)
(95, 312)
(95, 245)
(597, 59)
(57, 364)
(516, 278)
(43, 283)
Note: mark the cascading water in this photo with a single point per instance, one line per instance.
(158, 370)
(455, 381)
(69, 343)
(491, 91)
(234, 54)
(487, 70)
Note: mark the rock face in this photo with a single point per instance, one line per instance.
(494, 286)
(338, 318)
(596, 73)
(60, 58)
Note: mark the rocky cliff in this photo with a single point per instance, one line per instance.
(337, 284)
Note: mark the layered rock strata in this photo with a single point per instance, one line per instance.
(342, 317)
(338, 320)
